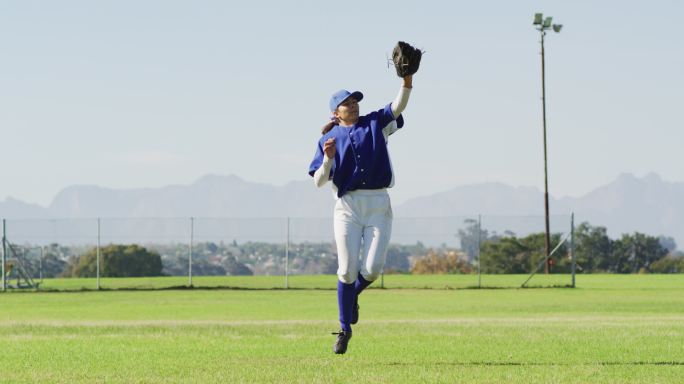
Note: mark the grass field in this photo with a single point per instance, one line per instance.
(626, 329)
(306, 282)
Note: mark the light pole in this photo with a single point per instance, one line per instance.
(542, 25)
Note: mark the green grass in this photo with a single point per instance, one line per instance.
(306, 282)
(627, 329)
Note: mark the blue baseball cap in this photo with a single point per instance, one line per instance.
(340, 96)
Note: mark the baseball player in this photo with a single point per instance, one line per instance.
(352, 152)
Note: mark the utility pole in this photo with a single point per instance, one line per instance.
(542, 26)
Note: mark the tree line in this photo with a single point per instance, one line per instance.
(593, 249)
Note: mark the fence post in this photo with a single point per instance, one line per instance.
(97, 263)
(287, 254)
(479, 242)
(572, 247)
(4, 255)
(192, 234)
(40, 264)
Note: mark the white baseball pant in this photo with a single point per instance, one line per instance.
(362, 217)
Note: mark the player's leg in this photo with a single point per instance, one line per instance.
(376, 237)
(348, 232)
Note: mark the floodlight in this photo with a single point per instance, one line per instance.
(547, 22)
(557, 27)
(538, 19)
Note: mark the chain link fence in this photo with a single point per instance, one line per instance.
(477, 251)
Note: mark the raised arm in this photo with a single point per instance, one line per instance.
(399, 104)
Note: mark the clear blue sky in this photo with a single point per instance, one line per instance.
(131, 94)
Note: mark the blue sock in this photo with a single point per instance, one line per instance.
(361, 284)
(346, 297)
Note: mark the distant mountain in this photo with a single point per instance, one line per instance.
(13, 208)
(649, 205)
(486, 199)
(210, 196)
(628, 204)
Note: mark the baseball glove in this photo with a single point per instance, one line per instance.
(406, 59)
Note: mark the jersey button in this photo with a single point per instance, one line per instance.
(361, 169)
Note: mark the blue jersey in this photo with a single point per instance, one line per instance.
(361, 159)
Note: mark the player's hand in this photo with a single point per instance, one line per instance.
(329, 148)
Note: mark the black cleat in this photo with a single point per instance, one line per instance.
(343, 338)
(355, 313)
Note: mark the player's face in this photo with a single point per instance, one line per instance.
(348, 111)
